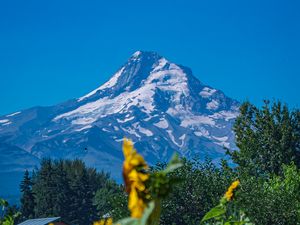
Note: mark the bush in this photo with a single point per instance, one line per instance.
(273, 201)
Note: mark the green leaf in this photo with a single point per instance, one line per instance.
(8, 221)
(214, 212)
(3, 203)
(235, 223)
(174, 164)
(147, 213)
(128, 221)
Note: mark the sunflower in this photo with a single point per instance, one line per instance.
(135, 176)
(109, 221)
(229, 192)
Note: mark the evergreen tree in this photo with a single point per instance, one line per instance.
(267, 138)
(27, 199)
(81, 208)
(44, 190)
(62, 190)
(67, 189)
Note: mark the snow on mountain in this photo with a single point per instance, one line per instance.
(160, 105)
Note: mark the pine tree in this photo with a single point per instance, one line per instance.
(44, 190)
(67, 189)
(27, 199)
(81, 207)
(62, 190)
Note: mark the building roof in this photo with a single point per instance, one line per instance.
(40, 221)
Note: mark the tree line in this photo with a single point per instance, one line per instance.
(67, 189)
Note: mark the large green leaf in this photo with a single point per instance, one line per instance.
(235, 223)
(128, 221)
(147, 213)
(214, 212)
(174, 164)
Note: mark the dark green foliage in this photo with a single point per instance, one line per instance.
(201, 188)
(111, 200)
(81, 195)
(163, 178)
(266, 138)
(27, 198)
(9, 215)
(119, 204)
(273, 201)
(44, 190)
(67, 189)
(62, 196)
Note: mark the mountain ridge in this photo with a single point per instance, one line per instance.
(158, 104)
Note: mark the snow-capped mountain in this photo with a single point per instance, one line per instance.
(160, 105)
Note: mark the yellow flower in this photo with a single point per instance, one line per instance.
(132, 158)
(109, 221)
(137, 180)
(134, 167)
(100, 222)
(136, 204)
(229, 192)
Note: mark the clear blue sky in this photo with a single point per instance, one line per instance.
(52, 51)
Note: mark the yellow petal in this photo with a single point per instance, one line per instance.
(235, 184)
(133, 199)
(143, 176)
(101, 222)
(137, 160)
(138, 185)
(138, 209)
(109, 221)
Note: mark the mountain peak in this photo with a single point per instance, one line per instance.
(143, 58)
(132, 73)
(146, 55)
(158, 104)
